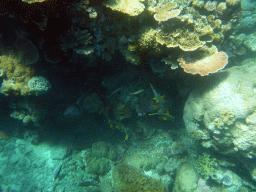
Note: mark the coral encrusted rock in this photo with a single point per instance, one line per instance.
(219, 111)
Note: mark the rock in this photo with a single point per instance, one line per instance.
(100, 149)
(186, 179)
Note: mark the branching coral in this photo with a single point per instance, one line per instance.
(210, 64)
(206, 165)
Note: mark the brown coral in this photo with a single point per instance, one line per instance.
(187, 41)
(190, 41)
(16, 75)
(227, 116)
(128, 178)
(210, 64)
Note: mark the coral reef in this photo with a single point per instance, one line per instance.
(91, 103)
(202, 186)
(206, 165)
(233, 2)
(16, 75)
(185, 40)
(30, 110)
(28, 51)
(84, 71)
(39, 85)
(157, 65)
(128, 178)
(186, 178)
(147, 38)
(130, 7)
(166, 12)
(77, 40)
(210, 64)
(216, 122)
(250, 41)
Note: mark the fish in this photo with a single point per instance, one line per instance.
(57, 172)
(132, 47)
(122, 127)
(137, 92)
(158, 97)
(114, 92)
(164, 116)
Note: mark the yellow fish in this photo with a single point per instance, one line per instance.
(132, 47)
(164, 116)
(158, 98)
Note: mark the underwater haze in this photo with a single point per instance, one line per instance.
(128, 96)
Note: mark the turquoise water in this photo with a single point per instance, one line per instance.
(135, 96)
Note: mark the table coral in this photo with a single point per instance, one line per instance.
(130, 7)
(210, 64)
(185, 40)
(166, 12)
